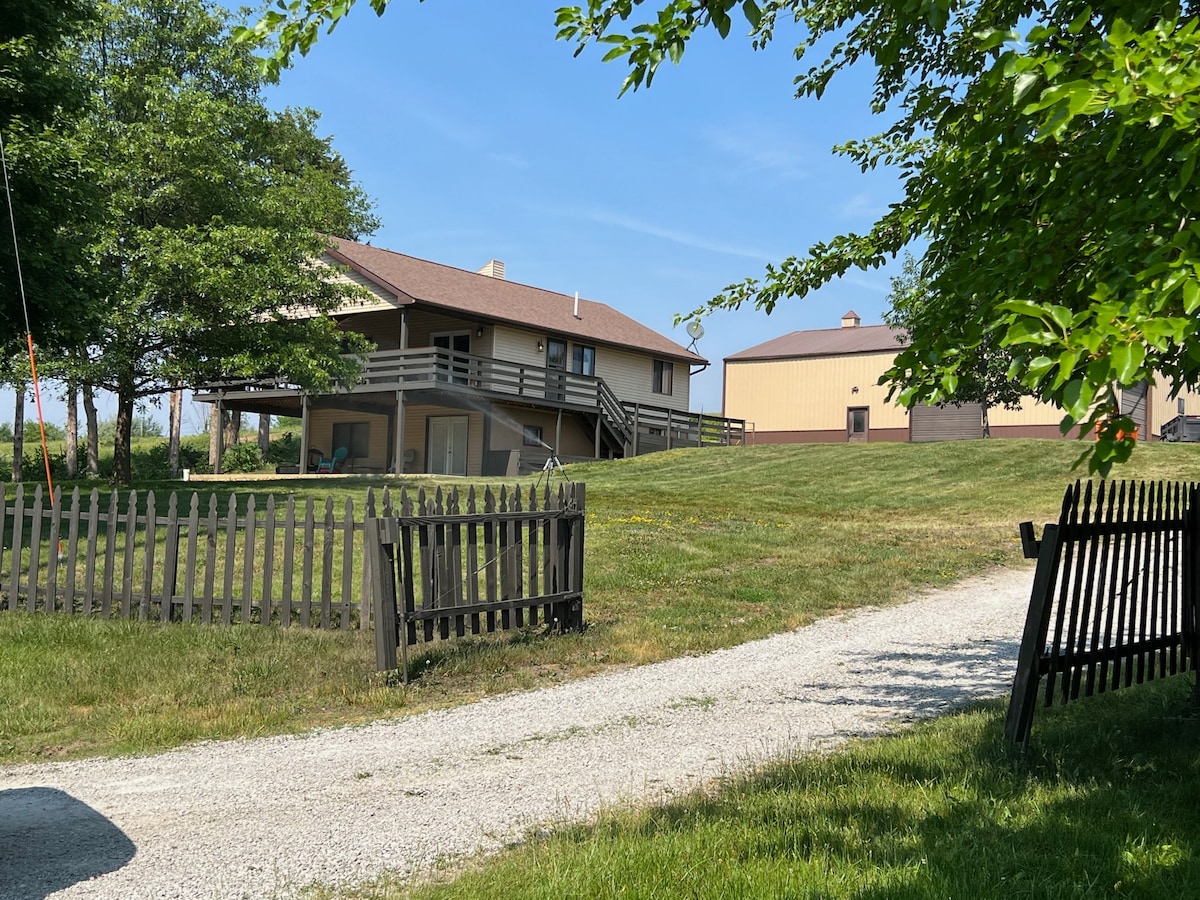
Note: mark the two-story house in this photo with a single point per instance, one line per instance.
(477, 375)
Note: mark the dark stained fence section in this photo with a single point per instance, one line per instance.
(192, 558)
(1114, 595)
(443, 566)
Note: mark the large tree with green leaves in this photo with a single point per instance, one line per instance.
(215, 210)
(1047, 150)
(42, 94)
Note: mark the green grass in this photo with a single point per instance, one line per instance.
(686, 551)
(1104, 805)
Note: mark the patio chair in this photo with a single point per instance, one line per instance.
(333, 464)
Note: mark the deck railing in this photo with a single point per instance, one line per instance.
(441, 369)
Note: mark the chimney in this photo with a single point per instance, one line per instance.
(493, 268)
(851, 320)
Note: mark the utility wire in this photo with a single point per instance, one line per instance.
(37, 391)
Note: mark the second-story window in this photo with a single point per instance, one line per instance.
(663, 377)
(583, 360)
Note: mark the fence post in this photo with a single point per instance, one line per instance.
(379, 538)
(1037, 623)
(573, 555)
(1191, 581)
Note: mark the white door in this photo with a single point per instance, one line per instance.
(447, 445)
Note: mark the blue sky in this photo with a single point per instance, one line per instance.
(479, 136)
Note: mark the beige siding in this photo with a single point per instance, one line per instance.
(631, 377)
(1031, 413)
(519, 346)
(507, 432)
(379, 298)
(627, 373)
(810, 394)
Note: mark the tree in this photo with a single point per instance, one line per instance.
(214, 212)
(983, 375)
(1047, 152)
(41, 93)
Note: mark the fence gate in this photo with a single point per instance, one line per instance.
(1114, 595)
(438, 569)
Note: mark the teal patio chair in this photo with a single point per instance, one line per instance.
(334, 464)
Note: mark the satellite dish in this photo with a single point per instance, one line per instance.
(695, 330)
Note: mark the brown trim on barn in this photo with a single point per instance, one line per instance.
(1032, 431)
(830, 436)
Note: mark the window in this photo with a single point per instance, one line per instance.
(556, 354)
(663, 376)
(355, 437)
(583, 360)
(531, 435)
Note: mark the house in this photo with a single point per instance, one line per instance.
(477, 375)
(822, 386)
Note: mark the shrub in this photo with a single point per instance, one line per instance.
(284, 450)
(242, 458)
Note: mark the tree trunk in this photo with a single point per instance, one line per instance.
(264, 434)
(233, 427)
(72, 398)
(122, 469)
(214, 433)
(18, 466)
(174, 425)
(987, 427)
(93, 431)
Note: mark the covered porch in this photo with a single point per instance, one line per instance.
(437, 411)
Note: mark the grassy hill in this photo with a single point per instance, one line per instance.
(686, 551)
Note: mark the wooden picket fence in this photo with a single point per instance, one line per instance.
(180, 558)
(1115, 593)
(441, 569)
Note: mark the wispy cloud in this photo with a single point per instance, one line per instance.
(756, 150)
(510, 159)
(861, 206)
(687, 239)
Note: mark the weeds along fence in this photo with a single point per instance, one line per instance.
(440, 569)
(1115, 595)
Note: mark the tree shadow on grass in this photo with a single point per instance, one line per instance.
(50, 841)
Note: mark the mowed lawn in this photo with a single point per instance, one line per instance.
(686, 551)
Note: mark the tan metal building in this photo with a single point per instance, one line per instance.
(822, 386)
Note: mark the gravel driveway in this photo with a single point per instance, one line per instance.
(261, 818)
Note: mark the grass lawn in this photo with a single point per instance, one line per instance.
(1104, 805)
(687, 551)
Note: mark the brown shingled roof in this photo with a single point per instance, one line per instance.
(826, 342)
(494, 299)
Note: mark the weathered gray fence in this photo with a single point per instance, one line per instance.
(1116, 578)
(440, 569)
(184, 558)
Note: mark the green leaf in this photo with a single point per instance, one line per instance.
(1022, 85)
(1127, 359)
(752, 12)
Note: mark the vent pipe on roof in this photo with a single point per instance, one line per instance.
(576, 313)
(851, 320)
(493, 268)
